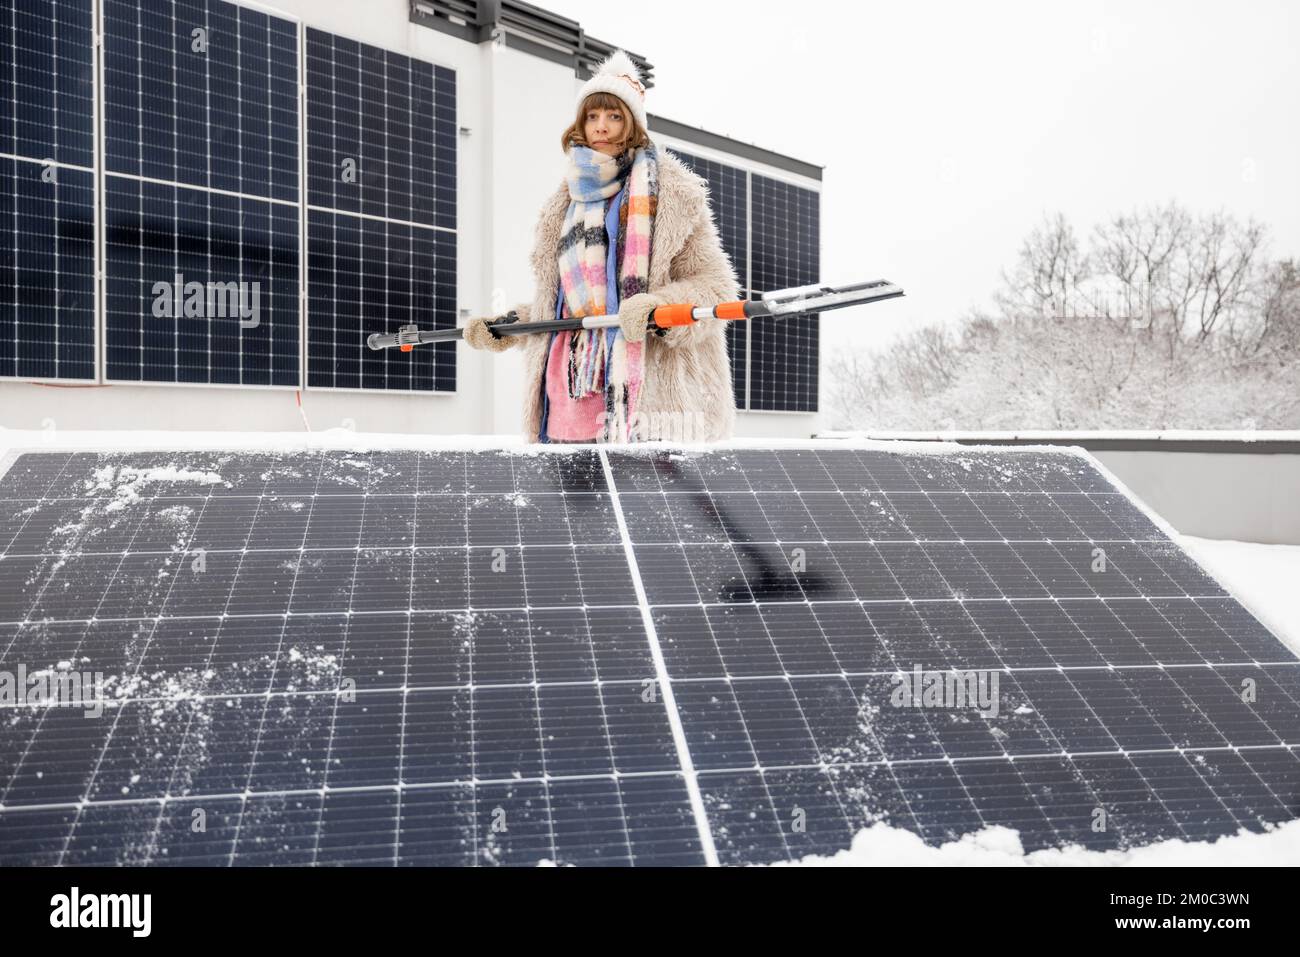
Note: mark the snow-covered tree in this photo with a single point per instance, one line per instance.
(1165, 320)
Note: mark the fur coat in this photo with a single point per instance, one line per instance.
(686, 395)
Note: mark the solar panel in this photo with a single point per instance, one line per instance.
(47, 271)
(202, 93)
(344, 676)
(381, 173)
(47, 68)
(1121, 716)
(232, 315)
(202, 194)
(786, 253)
(770, 230)
(612, 657)
(47, 199)
(371, 274)
(729, 203)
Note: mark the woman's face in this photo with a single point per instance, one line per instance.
(603, 128)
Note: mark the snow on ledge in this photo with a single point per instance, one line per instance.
(883, 846)
(1075, 435)
(338, 439)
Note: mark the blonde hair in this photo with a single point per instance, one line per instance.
(633, 136)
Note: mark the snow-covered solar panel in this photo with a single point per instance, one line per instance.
(615, 656)
(290, 638)
(795, 592)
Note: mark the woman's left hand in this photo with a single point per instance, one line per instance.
(634, 314)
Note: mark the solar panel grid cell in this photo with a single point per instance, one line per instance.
(241, 331)
(202, 93)
(366, 271)
(47, 272)
(46, 66)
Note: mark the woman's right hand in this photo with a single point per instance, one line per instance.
(479, 336)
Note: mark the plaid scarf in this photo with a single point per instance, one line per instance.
(602, 359)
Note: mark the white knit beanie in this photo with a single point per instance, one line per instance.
(619, 76)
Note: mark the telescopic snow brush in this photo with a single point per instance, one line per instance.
(779, 304)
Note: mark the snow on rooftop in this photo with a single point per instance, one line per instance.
(882, 845)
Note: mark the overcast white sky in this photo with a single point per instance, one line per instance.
(947, 129)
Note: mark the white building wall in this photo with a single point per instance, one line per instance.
(1241, 496)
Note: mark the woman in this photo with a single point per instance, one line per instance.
(629, 229)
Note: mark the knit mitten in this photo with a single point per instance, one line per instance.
(634, 314)
(479, 336)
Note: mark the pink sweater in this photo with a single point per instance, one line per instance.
(568, 419)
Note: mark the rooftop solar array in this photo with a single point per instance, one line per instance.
(771, 232)
(47, 192)
(615, 657)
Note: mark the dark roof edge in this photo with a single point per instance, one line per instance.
(524, 27)
(725, 144)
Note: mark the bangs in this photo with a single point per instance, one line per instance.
(604, 101)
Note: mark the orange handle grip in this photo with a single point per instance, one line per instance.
(677, 314)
